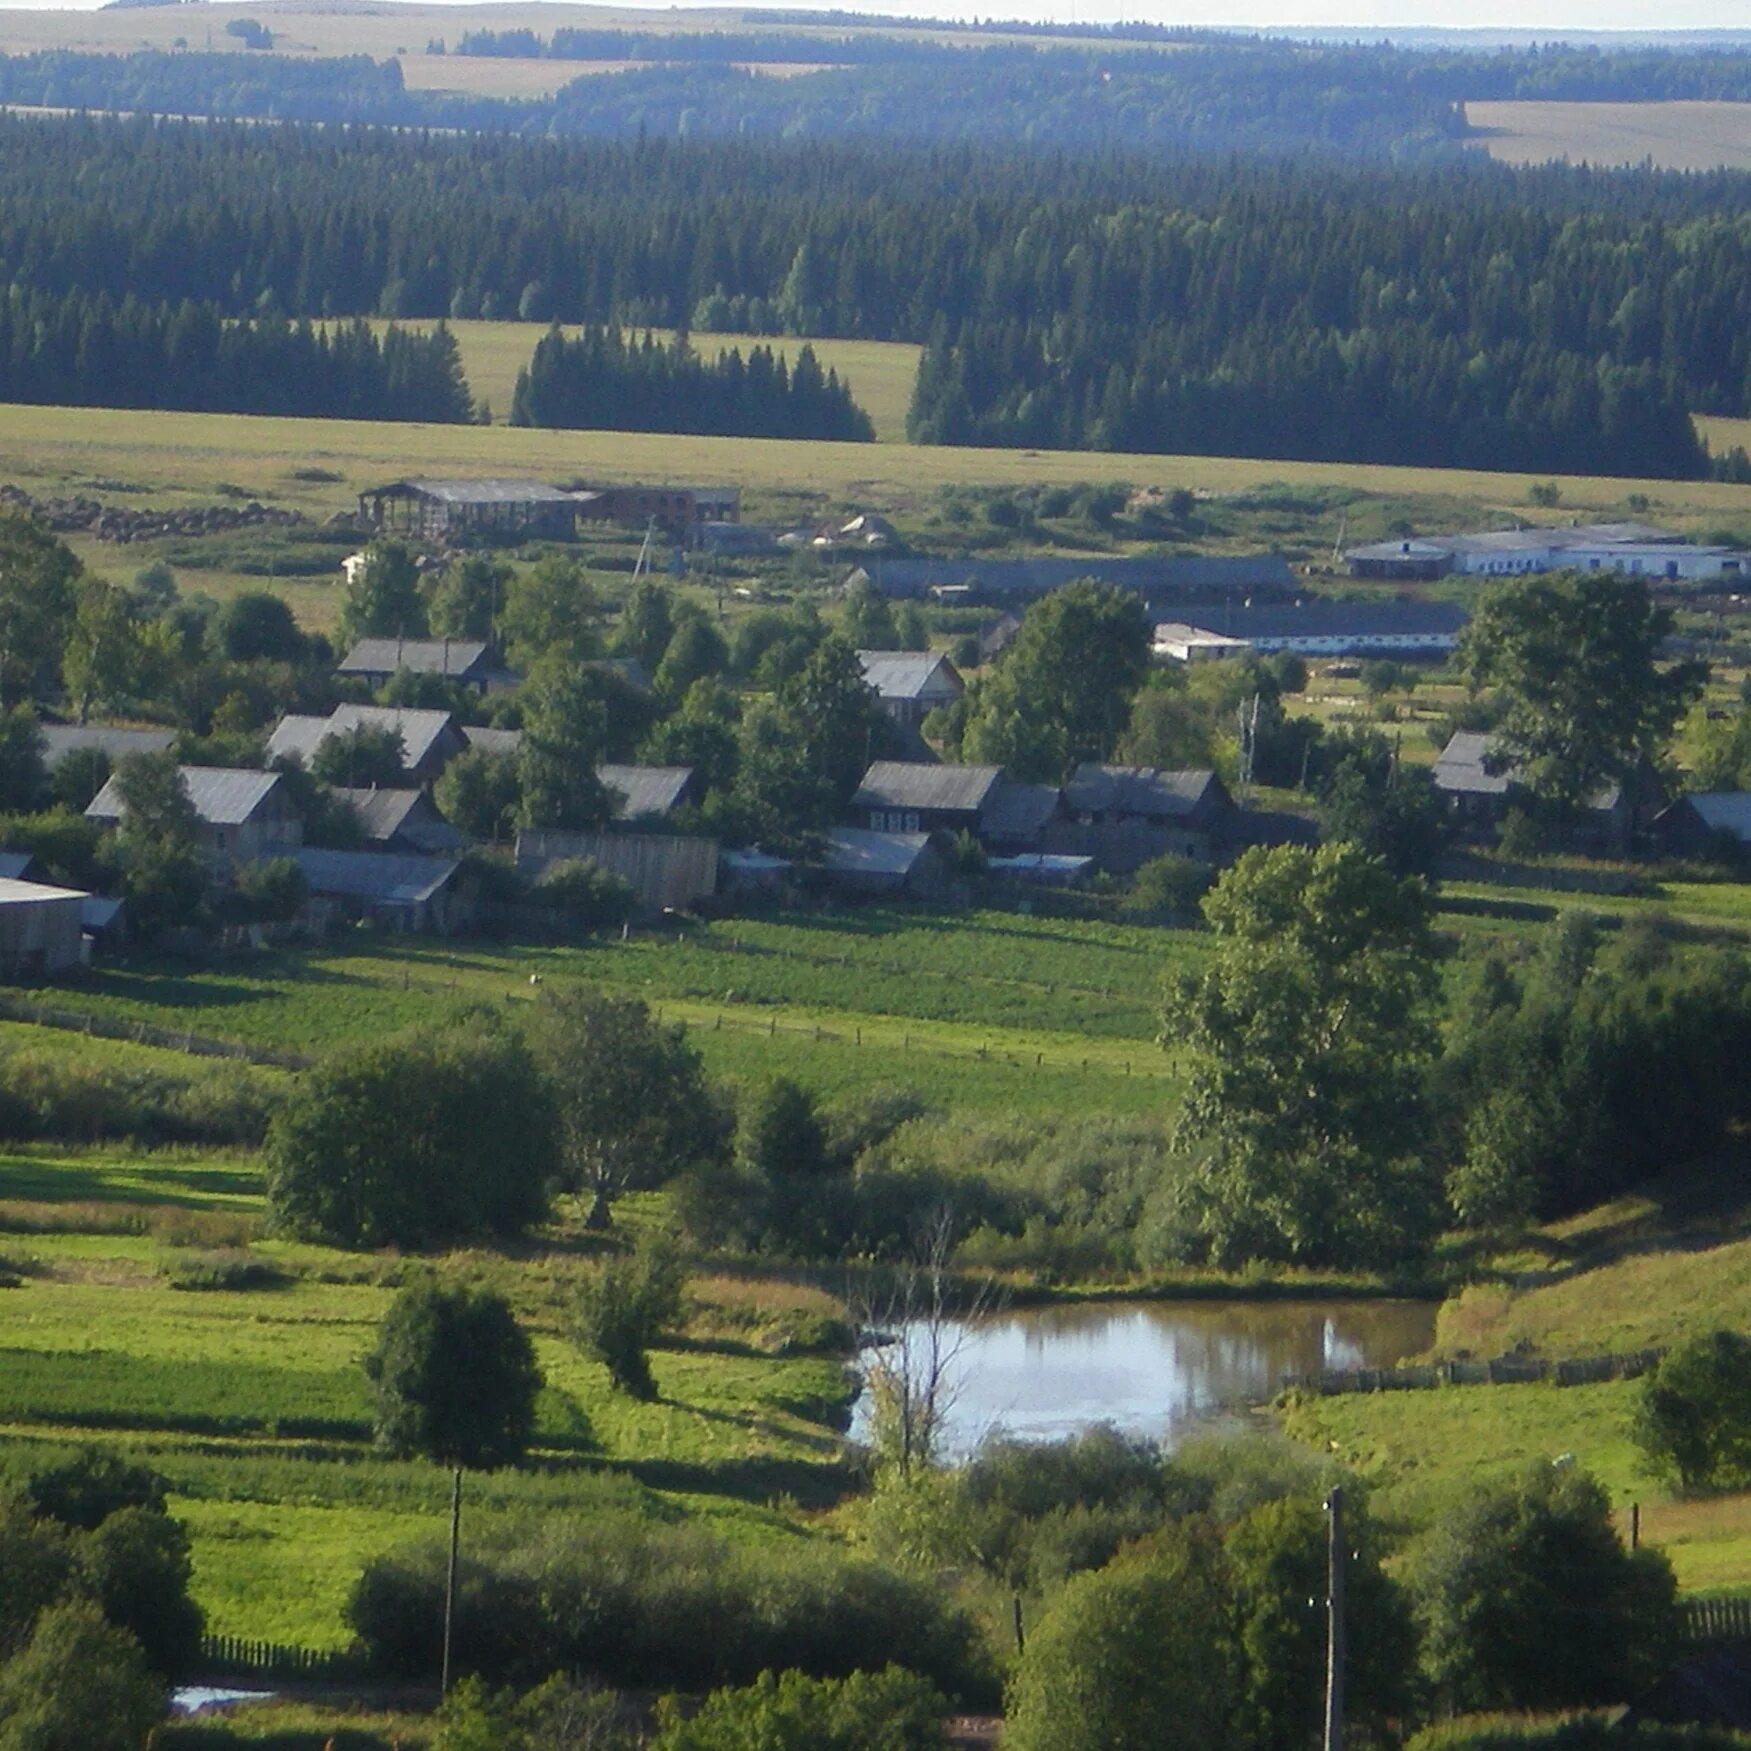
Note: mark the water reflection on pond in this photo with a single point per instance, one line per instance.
(1150, 1368)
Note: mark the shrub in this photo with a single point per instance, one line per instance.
(1169, 883)
(233, 1270)
(624, 1307)
(78, 1682)
(590, 896)
(890, 1710)
(1694, 1421)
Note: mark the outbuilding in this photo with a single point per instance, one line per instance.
(41, 929)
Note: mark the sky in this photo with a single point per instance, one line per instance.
(1546, 17)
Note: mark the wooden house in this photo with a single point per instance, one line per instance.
(241, 815)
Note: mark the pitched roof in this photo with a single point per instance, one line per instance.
(1140, 790)
(375, 875)
(856, 851)
(908, 784)
(223, 796)
(483, 492)
(1033, 577)
(15, 866)
(1329, 619)
(420, 731)
(1724, 811)
(646, 791)
(60, 740)
(17, 893)
(491, 741)
(909, 674)
(1019, 812)
(1460, 767)
(386, 814)
(453, 658)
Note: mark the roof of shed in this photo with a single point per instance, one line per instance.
(909, 784)
(1726, 811)
(1328, 619)
(646, 791)
(483, 492)
(450, 657)
(1020, 811)
(17, 893)
(386, 814)
(1175, 571)
(375, 875)
(223, 796)
(1139, 790)
(856, 851)
(15, 866)
(491, 741)
(1460, 767)
(420, 731)
(60, 740)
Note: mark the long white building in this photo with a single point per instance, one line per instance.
(1637, 549)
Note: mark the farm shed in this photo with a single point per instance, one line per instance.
(240, 814)
(487, 740)
(405, 893)
(401, 820)
(1706, 820)
(909, 685)
(1122, 816)
(866, 865)
(42, 929)
(435, 509)
(682, 512)
(667, 871)
(907, 796)
(1019, 580)
(1314, 629)
(1478, 797)
(1636, 549)
(430, 740)
(470, 662)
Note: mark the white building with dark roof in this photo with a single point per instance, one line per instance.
(1635, 549)
(1322, 628)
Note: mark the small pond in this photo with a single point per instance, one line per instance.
(1154, 1367)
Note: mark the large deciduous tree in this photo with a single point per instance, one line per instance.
(1307, 1036)
(384, 600)
(455, 1377)
(38, 579)
(565, 733)
(1062, 693)
(632, 1099)
(1573, 660)
(414, 1141)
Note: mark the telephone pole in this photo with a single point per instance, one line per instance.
(450, 1578)
(1334, 1609)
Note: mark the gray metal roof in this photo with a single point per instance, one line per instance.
(420, 731)
(483, 492)
(491, 741)
(17, 893)
(646, 792)
(910, 674)
(909, 784)
(1726, 811)
(1033, 577)
(1460, 768)
(375, 875)
(1329, 619)
(409, 815)
(223, 796)
(1019, 812)
(1148, 791)
(60, 740)
(454, 658)
(15, 866)
(855, 851)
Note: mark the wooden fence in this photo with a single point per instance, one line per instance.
(140, 1033)
(225, 1655)
(1499, 1371)
(1716, 1620)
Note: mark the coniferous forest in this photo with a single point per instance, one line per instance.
(1436, 313)
(602, 380)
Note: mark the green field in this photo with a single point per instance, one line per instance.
(881, 373)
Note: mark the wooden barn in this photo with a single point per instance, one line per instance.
(437, 510)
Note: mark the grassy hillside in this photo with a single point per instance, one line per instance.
(1674, 136)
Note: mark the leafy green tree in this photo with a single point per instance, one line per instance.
(1694, 1420)
(137, 1564)
(780, 1134)
(366, 757)
(257, 627)
(414, 1141)
(633, 1104)
(834, 716)
(551, 610)
(36, 1557)
(455, 1377)
(1307, 1037)
(565, 729)
(1063, 692)
(39, 576)
(1527, 1600)
(702, 734)
(1168, 727)
(891, 1710)
(104, 661)
(560, 1715)
(1574, 661)
(591, 897)
(467, 598)
(155, 845)
(82, 1492)
(1277, 1555)
(782, 798)
(695, 652)
(1395, 814)
(478, 794)
(384, 600)
(80, 1684)
(624, 1306)
(24, 778)
(868, 621)
(1139, 1656)
(78, 776)
(647, 624)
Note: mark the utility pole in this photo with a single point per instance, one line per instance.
(1334, 1607)
(450, 1577)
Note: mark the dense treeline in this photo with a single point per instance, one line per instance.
(81, 350)
(1539, 319)
(604, 381)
